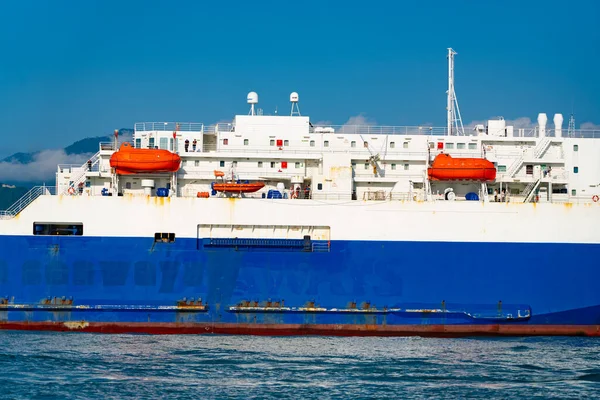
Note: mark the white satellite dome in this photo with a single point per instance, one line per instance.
(252, 98)
(294, 97)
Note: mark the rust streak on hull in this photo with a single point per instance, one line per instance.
(310, 329)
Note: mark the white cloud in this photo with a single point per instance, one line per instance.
(360, 119)
(589, 126)
(42, 168)
(518, 123)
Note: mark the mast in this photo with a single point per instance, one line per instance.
(454, 120)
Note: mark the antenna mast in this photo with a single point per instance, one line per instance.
(454, 120)
(571, 130)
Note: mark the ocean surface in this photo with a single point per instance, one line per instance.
(92, 366)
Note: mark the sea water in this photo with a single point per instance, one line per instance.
(94, 366)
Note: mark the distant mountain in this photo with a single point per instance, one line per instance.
(9, 194)
(83, 146)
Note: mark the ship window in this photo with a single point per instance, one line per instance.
(472, 146)
(460, 145)
(151, 143)
(393, 166)
(246, 142)
(196, 163)
(260, 164)
(127, 185)
(163, 143)
(529, 169)
(272, 142)
(501, 168)
(392, 145)
(573, 192)
(449, 146)
(58, 229)
(286, 142)
(406, 167)
(183, 163)
(320, 186)
(272, 164)
(221, 163)
(575, 170)
(353, 144)
(575, 147)
(431, 145)
(353, 164)
(162, 237)
(326, 143)
(366, 144)
(405, 145)
(297, 165)
(225, 142)
(312, 143)
(366, 165)
(234, 164)
(138, 143)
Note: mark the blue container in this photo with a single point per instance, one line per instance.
(162, 192)
(472, 196)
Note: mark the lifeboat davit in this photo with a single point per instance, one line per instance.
(447, 168)
(232, 187)
(129, 160)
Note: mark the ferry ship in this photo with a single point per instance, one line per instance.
(274, 225)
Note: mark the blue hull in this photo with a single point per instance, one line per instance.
(355, 286)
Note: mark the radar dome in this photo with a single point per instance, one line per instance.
(294, 97)
(252, 98)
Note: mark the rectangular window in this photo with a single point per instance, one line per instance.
(286, 142)
(472, 146)
(573, 192)
(366, 145)
(575, 147)
(312, 143)
(297, 165)
(221, 163)
(225, 142)
(431, 145)
(196, 163)
(272, 164)
(366, 165)
(272, 142)
(260, 164)
(326, 143)
(319, 186)
(246, 142)
(449, 146)
(58, 229)
(353, 144)
(406, 167)
(163, 143)
(234, 164)
(392, 145)
(151, 143)
(460, 146)
(138, 143)
(162, 237)
(405, 145)
(529, 169)
(184, 163)
(575, 170)
(501, 168)
(393, 166)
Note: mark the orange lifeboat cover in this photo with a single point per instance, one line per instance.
(129, 160)
(447, 168)
(238, 187)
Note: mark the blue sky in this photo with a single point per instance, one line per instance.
(73, 69)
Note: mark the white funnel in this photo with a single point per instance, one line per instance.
(542, 120)
(558, 121)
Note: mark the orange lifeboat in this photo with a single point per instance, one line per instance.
(446, 168)
(129, 160)
(232, 187)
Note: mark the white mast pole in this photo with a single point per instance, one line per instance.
(450, 105)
